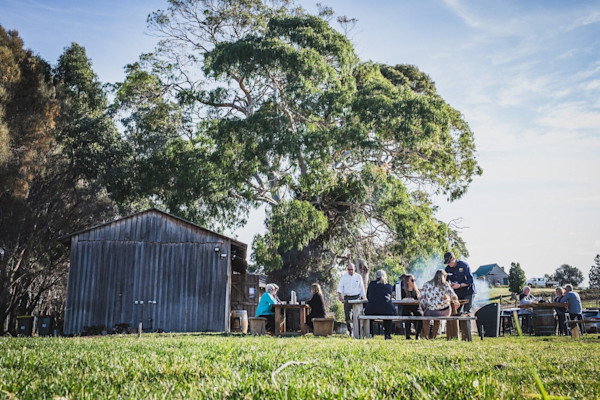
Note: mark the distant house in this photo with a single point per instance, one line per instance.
(492, 273)
(158, 269)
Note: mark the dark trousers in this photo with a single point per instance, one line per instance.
(561, 318)
(347, 309)
(466, 308)
(270, 326)
(387, 328)
(418, 324)
(527, 323)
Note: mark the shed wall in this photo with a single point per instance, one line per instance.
(149, 268)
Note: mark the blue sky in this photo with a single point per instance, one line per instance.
(525, 74)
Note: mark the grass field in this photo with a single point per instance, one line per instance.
(239, 366)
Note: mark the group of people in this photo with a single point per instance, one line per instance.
(266, 310)
(566, 295)
(451, 284)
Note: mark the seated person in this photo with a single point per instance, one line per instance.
(435, 298)
(317, 305)
(436, 295)
(526, 298)
(411, 291)
(379, 294)
(574, 304)
(265, 307)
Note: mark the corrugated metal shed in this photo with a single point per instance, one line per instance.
(154, 268)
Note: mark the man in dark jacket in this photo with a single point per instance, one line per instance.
(461, 280)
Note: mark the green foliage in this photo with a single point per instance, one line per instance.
(53, 177)
(516, 278)
(291, 224)
(594, 275)
(242, 366)
(282, 113)
(567, 274)
(394, 267)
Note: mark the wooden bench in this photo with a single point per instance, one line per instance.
(257, 325)
(574, 324)
(451, 329)
(323, 326)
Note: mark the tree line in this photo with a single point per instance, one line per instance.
(565, 274)
(242, 105)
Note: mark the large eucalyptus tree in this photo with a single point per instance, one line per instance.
(249, 103)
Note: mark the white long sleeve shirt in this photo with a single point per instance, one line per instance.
(351, 285)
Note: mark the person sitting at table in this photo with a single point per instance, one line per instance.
(436, 296)
(317, 305)
(526, 313)
(560, 312)
(379, 296)
(411, 291)
(276, 295)
(574, 304)
(265, 307)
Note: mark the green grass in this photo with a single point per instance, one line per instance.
(238, 366)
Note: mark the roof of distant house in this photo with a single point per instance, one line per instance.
(485, 269)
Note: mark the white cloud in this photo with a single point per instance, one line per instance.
(569, 117)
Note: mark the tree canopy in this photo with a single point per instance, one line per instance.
(54, 136)
(516, 278)
(568, 274)
(246, 104)
(594, 275)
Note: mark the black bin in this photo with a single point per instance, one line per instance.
(24, 325)
(488, 317)
(45, 325)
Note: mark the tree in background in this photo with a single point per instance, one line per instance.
(516, 278)
(594, 275)
(48, 179)
(568, 274)
(246, 104)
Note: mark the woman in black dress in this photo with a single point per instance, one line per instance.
(317, 305)
(379, 295)
(411, 291)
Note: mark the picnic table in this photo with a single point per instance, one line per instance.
(452, 326)
(281, 310)
(543, 317)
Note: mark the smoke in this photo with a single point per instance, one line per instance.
(482, 297)
(424, 269)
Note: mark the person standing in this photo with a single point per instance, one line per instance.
(351, 287)
(317, 305)
(574, 304)
(411, 291)
(561, 312)
(461, 281)
(379, 294)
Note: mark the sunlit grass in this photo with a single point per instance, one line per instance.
(237, 366)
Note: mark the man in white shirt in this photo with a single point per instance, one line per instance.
(526, 313)
(351, 287)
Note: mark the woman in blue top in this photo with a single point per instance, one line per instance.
(265, 307)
